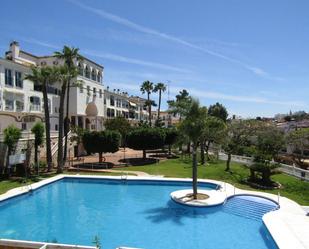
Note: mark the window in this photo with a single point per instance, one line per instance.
(110, 112)
(19, 106)
(56, 127)
(99, 77)
(100, 93)
(93, 75)
(56, 109)
(18, 80)
(8, 77)
(23, 126)
(9, 105)
(94, 91)
(118, 102)
(112, 101)
(81, 89)
(87, 72)
(80, 69)
(35, 103)
(88, 90)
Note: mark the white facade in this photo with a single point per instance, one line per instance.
(120, 104)
(21, 101)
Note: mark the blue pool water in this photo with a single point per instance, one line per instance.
(134, 214)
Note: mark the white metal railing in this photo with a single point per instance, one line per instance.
(285, 168)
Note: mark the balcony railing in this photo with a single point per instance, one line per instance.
(35, 108)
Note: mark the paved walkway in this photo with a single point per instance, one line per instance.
(137, 173)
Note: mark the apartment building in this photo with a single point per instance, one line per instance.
(21, 101)
(166, 118)
(120, 104)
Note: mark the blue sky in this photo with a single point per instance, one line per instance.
(252, 56)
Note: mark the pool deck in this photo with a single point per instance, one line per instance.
(288, 225)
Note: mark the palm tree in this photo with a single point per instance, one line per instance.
(192, 126)
(147, 87)
(45, 76)
(65, 75)
(159, 87)
(69, 55)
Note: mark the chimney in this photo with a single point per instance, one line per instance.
(14, 48)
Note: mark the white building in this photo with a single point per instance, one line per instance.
(21, 101)
(120, 104)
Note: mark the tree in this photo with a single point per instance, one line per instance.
(237, 137)
(193, 125)
(120, 124)
(171, 135)
(147, 87)
(45, 76)
(77, 136)
(101, 142)
(270, 140)
(299, 141)
(38, 131)
(143, 138)
(69, 55)
(11, 136)
(159, 87)
(214, 132)
(219, 111)
(181, 105)
(65, 75)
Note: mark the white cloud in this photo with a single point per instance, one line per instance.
(132, 25)
(120, 58)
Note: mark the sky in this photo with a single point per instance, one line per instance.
(251, 56)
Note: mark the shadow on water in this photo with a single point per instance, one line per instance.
(176, 213)
(269, 242)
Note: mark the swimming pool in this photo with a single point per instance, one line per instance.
(133, 213)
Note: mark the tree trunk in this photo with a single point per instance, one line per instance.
(159, 106)
(207, 150)
(36, 158)
(149, 108)
(8, 170)
(47, 128)
(169, 149)
(228, 162)
(144, 154)
(100, 157)
(66, 127)
(60, 133)
(194, 171)
(202, 146)
(188, 148)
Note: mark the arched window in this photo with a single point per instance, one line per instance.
(80, 69)
(99, 77)
(93, 75)
(87, 72)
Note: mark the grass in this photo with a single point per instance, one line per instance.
(292, 187)
(6, 185)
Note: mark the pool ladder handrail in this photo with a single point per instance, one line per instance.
(124, 176)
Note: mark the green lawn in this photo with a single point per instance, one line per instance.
(6, 185)
(293, 188)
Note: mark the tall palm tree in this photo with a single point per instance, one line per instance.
(192, 126)
(65, 75)
(147, 87)
(45, 76)
(159, 87)
(70, 56)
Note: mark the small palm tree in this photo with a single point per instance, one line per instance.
(38, 131)
(159, 87)
(192, 126)
(147, 87)
(69, 55)
(45, 76)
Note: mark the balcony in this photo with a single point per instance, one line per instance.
(35, 108)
